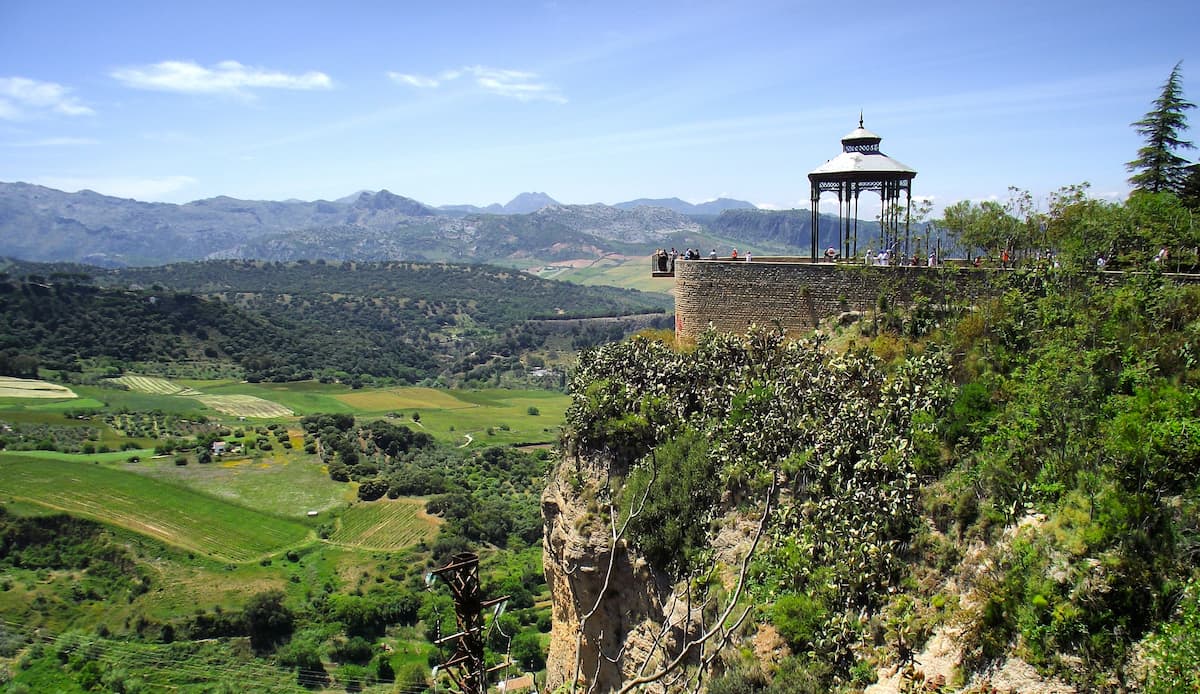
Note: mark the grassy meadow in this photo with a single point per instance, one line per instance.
(170, 513)
(283, 485)
(614, 271)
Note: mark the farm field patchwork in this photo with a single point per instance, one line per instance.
(302, 397)
(386, 524)
(505, 413)
(134, 401)
(166, 512)
(458, 416)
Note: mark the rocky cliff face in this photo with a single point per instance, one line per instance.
(615, 617)
(608, 603)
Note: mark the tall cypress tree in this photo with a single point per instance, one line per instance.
(1158, 168)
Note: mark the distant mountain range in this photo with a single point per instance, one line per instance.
(712, 207)
(526, 203)
(522, 204)
(43, 224)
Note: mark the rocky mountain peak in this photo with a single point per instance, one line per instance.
(387, 200)
(529, 202)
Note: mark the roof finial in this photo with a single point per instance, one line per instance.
(860, 118)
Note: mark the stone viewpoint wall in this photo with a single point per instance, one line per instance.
(731, 295)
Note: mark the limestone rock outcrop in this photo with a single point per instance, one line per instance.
(608, 603)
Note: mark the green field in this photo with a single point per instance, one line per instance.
(450, 415)
(386, 524)
(504, 412)
(283, 485)
(245, 406)
(401, 399)
(108, 457)
(47, 405)
(616, 271)
(172, 514)
(302, 397)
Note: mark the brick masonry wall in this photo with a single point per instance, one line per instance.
(732, 295)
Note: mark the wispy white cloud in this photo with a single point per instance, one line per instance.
(521, 85)
(121, 186)
(413, 80)
(226, 77)
(53, 142)
(21, 97)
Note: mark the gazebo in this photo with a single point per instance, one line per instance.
(860, 166)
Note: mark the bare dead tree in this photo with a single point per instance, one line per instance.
(721, 631)
(708, 641)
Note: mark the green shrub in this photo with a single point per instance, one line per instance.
(1174, 650)
(675, 490)
(799, 619)
(411, 677)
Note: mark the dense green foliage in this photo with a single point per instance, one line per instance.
(741, 416)
(671, 526)
(1093, 424)
(1078, 230)
(62, 543)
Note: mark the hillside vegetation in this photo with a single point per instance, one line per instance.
(1024, 477)
(395, 322)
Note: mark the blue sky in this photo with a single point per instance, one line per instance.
(463, 102)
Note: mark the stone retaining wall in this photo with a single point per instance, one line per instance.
(731, 295)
